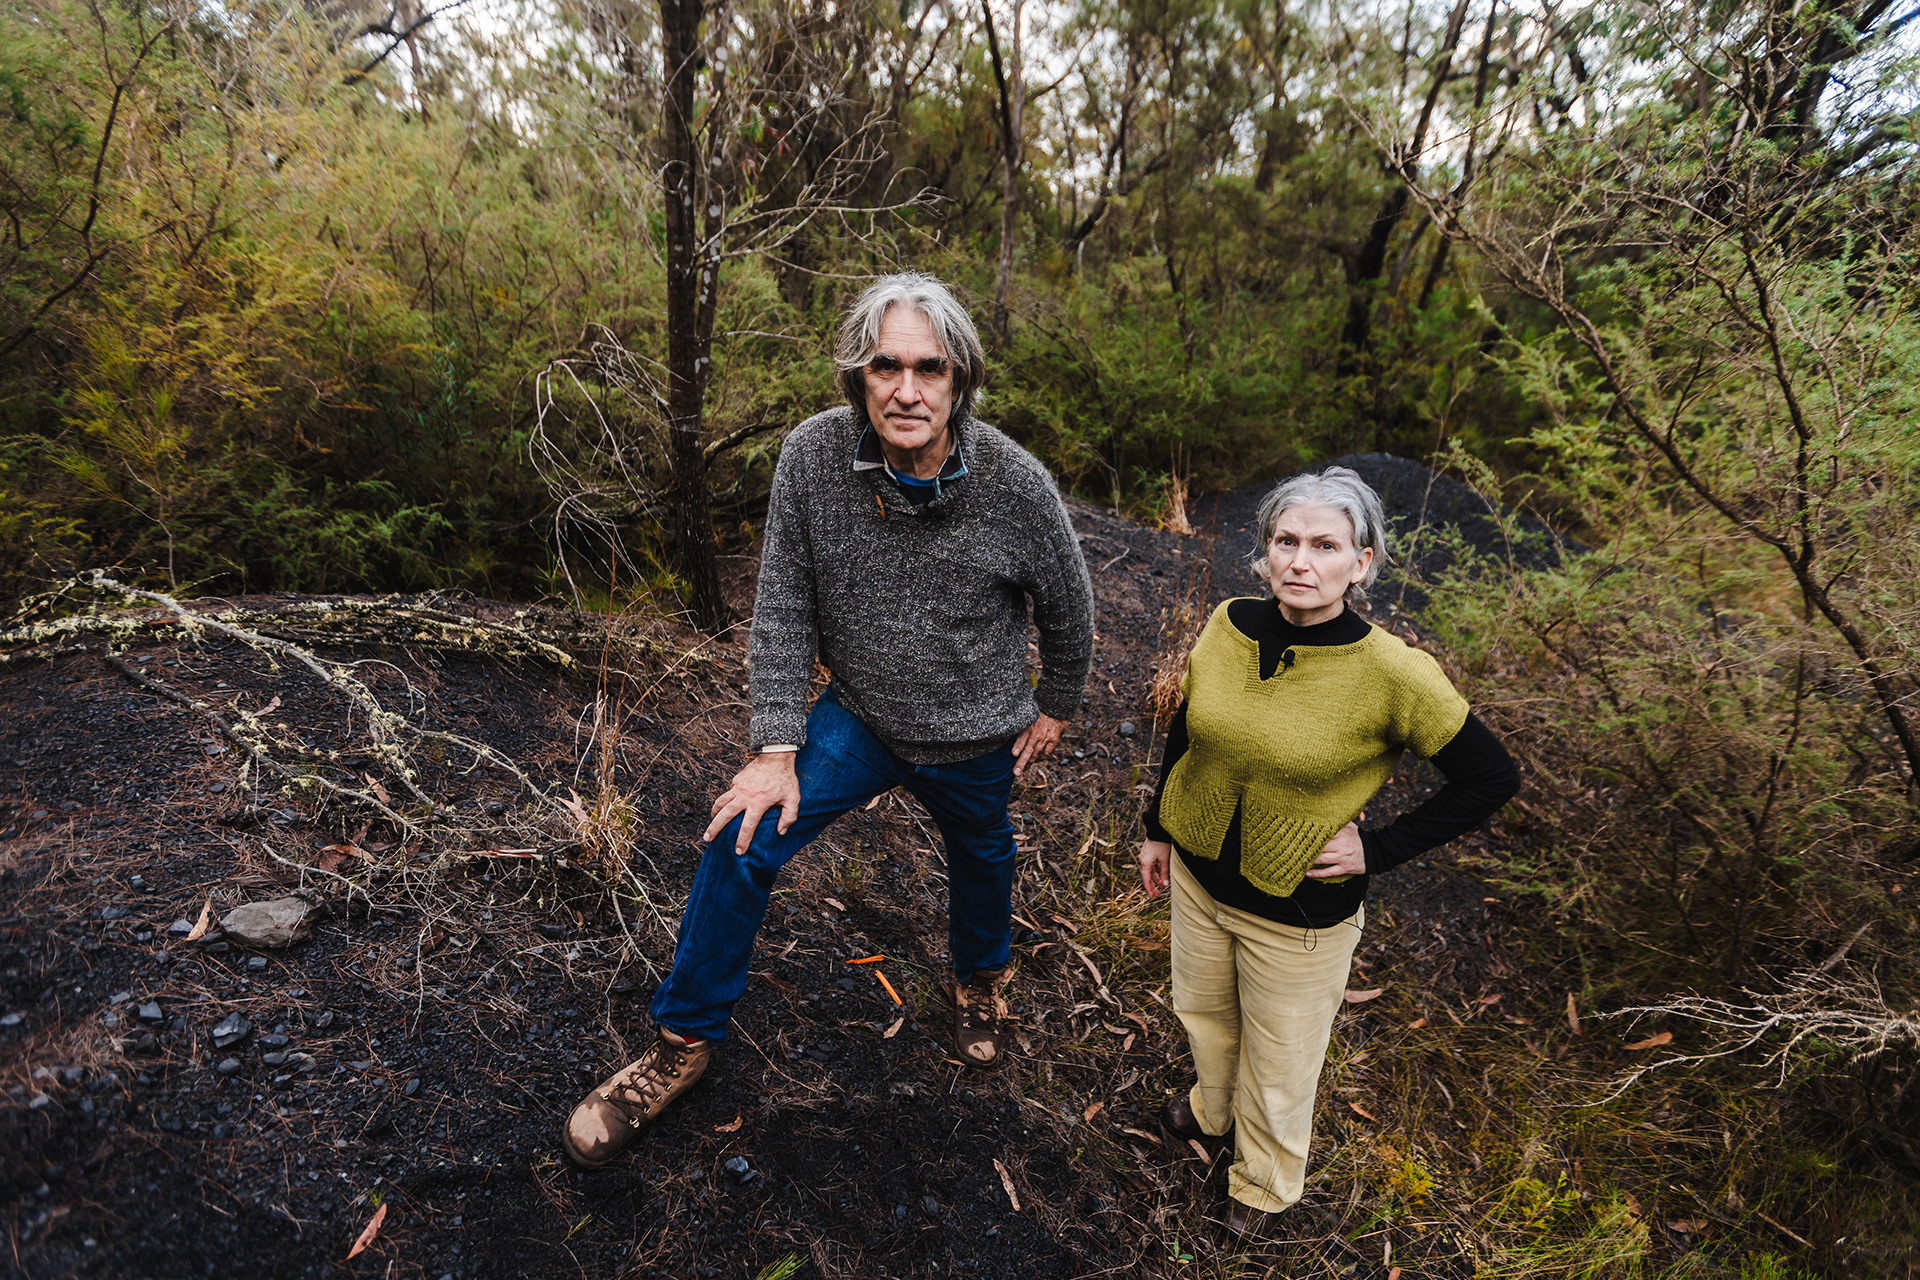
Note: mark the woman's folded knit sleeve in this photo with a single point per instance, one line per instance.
(1481, 777)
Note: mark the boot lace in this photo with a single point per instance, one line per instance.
(649, 1081)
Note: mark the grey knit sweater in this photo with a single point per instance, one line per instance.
(920, 613)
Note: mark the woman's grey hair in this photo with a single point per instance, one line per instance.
(953, 329)
(1342, 489)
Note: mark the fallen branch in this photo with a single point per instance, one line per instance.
(1853, 1017)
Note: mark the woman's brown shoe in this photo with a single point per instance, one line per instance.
(611, 1117)
(1248, 1225)
(977, 1010)
(1183, 1126)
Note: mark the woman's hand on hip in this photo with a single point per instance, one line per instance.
(1155, 857)
(1343, 855)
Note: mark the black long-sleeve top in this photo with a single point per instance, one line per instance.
(1480, 777)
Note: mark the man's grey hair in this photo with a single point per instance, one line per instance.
(953, 329)
(1342, 489)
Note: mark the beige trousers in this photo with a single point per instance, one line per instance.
(1257, 999)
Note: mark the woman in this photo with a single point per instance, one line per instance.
(1296, 710)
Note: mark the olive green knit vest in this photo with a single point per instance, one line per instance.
(1301, 752)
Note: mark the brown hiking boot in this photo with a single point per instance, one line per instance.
(977, 1010)
(611, 1117)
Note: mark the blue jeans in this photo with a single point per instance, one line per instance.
(842, 767)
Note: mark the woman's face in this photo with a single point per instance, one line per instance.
(1311, 561)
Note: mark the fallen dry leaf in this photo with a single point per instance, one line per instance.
(1065, 923)
(1687, 1226)
(731, 1128)
(1573, 1014)
(1363, 1113)
(435, 938)
(1006, 1180)
(1393, 1273)
(331, 856)
(366, 1237)
(875, 802)
(1416, 1024)
(1154, 1138)
(380, 792)
(1653, 1042)
(835, 903)
(1200, 1151)
(200, 926)
(1092, 1111)
(1127, 1043)
(894, 1030)
(1361, 997)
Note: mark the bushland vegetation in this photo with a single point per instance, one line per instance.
(328, 299)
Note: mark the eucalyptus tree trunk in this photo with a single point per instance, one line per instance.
(690, 283)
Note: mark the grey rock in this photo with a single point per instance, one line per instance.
(274, 1059)
(120, 997)
(930, 1206)
(12, 1019)
(322, 1022)
(256, 964)
(230, 1030)
(38, 1101)
(279, 923)
(1127, 729)
(273, 1042)
(181, 928)
(362, 1064)
(413, 1087)
(739, 1168)
(150, 1012)
(227, 1066)
(114, 913)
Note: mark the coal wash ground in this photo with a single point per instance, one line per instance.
(422, 1049)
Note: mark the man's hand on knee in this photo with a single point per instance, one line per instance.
(768, 780)
(1036, 742)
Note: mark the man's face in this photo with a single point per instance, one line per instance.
(906, 404)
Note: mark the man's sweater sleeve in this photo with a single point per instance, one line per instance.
(780, 649)
(1062, 593)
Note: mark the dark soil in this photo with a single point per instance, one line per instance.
(422, 1049)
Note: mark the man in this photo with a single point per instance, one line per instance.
(904, 542)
